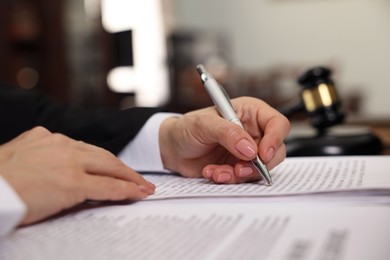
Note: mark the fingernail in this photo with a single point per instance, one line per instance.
(208, 173)
(146, 189)
(143, 188)
(245, 171)
(224, 177)
(246, 148)
(270, 154)
(151, 185)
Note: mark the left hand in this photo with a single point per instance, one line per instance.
(202, 143)
(51, 172)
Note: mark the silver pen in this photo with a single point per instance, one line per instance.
(222, 101)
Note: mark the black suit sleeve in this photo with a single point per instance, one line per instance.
(108, 128)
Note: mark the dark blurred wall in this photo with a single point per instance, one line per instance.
(53, 47)
(32, 43)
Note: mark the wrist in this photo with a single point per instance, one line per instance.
(167, 143)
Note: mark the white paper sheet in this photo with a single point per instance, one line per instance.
(158, 230)
(196, 219)
(333, 176)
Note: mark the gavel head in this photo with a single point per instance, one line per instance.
(320, 98)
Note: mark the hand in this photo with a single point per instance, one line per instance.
(202, 143)
(52, 172)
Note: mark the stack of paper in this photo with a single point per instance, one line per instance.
(296, 219)
(357, 177)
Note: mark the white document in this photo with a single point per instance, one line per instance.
(341, 176)
(201, 230)
(196, 219)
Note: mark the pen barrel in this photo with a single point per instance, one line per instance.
(237, 122)
(221, 101)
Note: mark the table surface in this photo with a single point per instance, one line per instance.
(383, 132)
(381, 128)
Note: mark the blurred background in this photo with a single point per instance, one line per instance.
(122, 53)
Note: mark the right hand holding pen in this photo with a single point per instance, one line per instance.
(51, 172)
(202, 143)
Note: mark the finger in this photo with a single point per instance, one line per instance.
(221, 173)
(263, 123)
(246, 172)
(276, 130)
(105, 188)
(111, 166)
(208, 171)
(279, 157)
(226, 174)
(97, 161)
